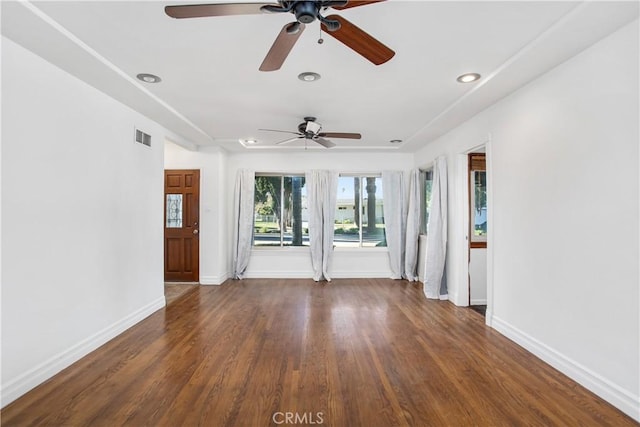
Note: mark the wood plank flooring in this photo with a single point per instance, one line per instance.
(173, 291)
(366, 352)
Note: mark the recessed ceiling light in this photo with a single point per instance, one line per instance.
(308, 76)
(395, 141)
(468, 77)
(148, 78)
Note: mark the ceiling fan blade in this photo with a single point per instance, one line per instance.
(344, 135)
(222, 9)
(356, 3)
(281, 131)
(286, 141)
(281, 47)
(360, 41)
(324, 142)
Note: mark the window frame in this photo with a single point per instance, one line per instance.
(281, 244)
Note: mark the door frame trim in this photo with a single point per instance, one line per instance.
(462, 203)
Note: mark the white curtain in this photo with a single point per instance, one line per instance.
(395, 208)
(413, 225)
(242, 221)
(322, 192)
(437, 232)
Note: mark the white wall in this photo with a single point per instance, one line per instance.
(213, 189)
(296, 262)
(563, 195)
(81, 219)
(478, 276)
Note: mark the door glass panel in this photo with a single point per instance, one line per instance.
(174, 211)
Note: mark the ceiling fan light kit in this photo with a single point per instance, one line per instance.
(312, 128)
(305, 12)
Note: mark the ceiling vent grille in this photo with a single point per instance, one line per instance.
(143, 138)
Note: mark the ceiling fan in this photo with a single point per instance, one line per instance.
(310, 131)
(305, 13)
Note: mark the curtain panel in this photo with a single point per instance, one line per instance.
(437, 232)
(242, 221)
(322, 193)
(414, 218)
(402, 216)
(395, 208)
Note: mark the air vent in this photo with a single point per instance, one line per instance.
(143, 138)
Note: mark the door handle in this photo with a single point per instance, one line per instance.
(195, 231)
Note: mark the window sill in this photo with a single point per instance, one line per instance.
(373, 249)
(275, 250)
(279, 249)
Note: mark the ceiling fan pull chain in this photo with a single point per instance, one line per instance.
(320, 40)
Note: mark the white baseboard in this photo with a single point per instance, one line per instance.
(213, 280)
(479, 301)
(622, 399)
(488, 317)
(14, 388)
(457, 300)
(309, 275)
(360, 274)
(278, 275)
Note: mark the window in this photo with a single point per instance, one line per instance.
(359, 220)
(478, 200)
(280, 211)
(427, 177)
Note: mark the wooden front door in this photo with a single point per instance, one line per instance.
(181, 225)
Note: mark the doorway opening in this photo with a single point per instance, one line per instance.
(477, 231)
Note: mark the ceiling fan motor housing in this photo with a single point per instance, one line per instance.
(306, 11)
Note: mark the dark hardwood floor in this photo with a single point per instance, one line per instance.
(173, 291)
(367, 352)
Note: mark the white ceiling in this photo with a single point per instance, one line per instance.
(213, 94)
